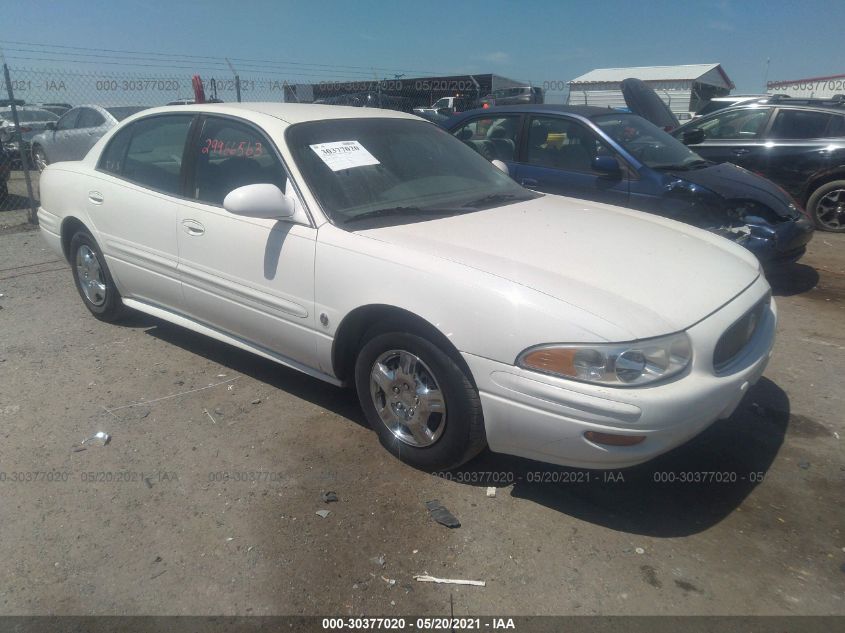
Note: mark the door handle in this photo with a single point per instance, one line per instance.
(740, 151)
(192, 227)
(96, 197)
(529, 182)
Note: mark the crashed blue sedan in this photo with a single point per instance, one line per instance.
(622, 159)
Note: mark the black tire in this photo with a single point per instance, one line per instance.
(111, 308)
(816, 212)
(463, 435)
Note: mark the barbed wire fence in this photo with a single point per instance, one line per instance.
(39, 97)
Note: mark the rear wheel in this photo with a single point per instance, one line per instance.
(827, 206)
(93, 279)
(421, 404)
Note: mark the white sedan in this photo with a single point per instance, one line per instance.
(369, 247)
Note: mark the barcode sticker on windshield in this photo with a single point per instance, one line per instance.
(344, 155)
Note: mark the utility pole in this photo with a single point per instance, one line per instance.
(237, 80)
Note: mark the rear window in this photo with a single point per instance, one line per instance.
(801, 124)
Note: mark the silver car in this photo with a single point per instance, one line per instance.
(32, 120)
(75, 133)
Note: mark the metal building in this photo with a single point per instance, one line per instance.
(684, 88)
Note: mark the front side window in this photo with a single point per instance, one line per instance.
(441, 103)
(745, 124)
(395, 170)
(232, 155)
(800, 124)
(68, 120)
(560, 143)
(149, 152)
(492, 137)
(89, 118)
(648, 143)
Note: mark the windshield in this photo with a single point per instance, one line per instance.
(30, 116)
(122, 112)
(359, 168)
(441, 103)
(647, 142)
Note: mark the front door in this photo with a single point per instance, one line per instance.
(250, 278)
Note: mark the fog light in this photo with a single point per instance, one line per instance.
(614, 440)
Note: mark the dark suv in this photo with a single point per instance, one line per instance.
(797, 143)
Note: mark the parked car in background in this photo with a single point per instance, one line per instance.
(32, 121)
(622, 159)
(797, 143)
(76, 132)
(447, 106)
(514, 96)
(591, 336)
(368, 100)
(720, 103)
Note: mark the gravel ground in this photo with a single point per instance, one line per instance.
(205, 500)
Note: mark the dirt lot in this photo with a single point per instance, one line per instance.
(150, 524)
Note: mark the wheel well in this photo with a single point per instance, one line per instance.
(351, 334)
(70, 227)
(822, 180)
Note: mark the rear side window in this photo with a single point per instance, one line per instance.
(745, 124)
(149, 152)
(800, 124)
(89, 118)
(232, 155)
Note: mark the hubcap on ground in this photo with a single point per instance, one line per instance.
(407, 398)
(830, 210)
(90, 276)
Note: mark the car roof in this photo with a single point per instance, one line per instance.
(287, 112)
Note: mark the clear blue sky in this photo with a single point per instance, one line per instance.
(536, 41)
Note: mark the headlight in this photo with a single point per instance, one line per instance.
(612, 364)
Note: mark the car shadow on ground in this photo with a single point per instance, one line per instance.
(725, 462)
(335, 399)
(793, 279)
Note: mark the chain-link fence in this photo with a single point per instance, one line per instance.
(47, 115)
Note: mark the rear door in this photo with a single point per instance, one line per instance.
(90, 126)
(797, 150)
(494, 137)
(133, 204)
(249, 277)
(556, 156)
(735, 136)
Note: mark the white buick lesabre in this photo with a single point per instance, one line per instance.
(372, 248)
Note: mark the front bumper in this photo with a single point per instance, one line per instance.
(544, 418)
(783, 243)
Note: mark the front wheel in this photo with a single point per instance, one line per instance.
(423, 406)
(827, 206)
(93, 279)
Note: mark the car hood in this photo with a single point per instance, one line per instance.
(735, 183)
(645, 102)
(647, 276)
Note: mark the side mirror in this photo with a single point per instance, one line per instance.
(501, 166)
(607, 166)
(693, 137)
(259, 201)
(50, 125)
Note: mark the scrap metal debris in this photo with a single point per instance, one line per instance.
(491, 491)
(323, 513)
(451, 581)
(439, 513)
(100, 438)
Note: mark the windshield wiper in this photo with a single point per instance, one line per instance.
(491, 199)
(393, 211)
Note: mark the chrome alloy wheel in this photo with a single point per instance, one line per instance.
(407, 398)
(830, 209)
(90, 276)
